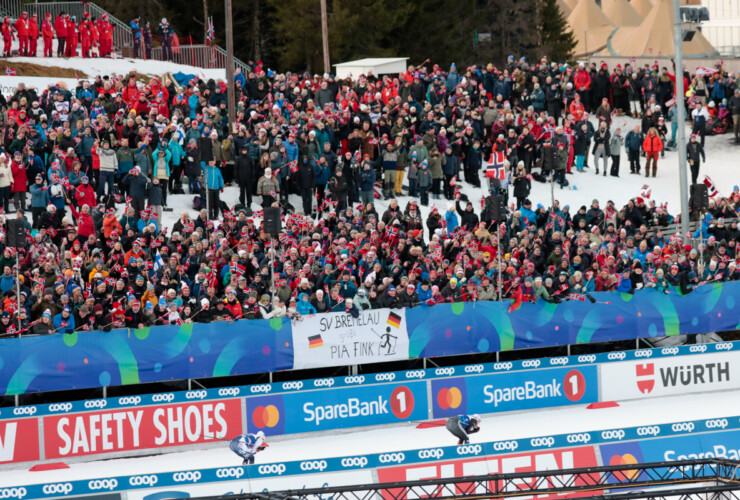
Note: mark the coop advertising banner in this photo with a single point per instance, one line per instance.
(337, 408)
(337, 339)
(141, 428)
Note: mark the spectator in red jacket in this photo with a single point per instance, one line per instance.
(72, 37)
(21, 27)
(33, 35)
(20, 181)
(7, 30)
(84, 193)
(582, 82)
(47, 32)
(105, 31)
(85, 224)
(60, 26)
(85, 36)
(652, 145)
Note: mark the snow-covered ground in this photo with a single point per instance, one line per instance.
(106, 66)
(407, 437)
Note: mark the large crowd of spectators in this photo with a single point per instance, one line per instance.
(89, 172)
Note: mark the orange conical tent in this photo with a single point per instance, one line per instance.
(643, 7)
(621, 13)
(654, 37)
(564, 7)
(590, 26)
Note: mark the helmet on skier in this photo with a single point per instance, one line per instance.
(476, 417)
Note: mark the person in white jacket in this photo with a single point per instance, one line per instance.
(6, 179)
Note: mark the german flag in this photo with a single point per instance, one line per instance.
(315, 341)
(394, 320)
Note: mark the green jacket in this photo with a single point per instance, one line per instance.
(421, 153)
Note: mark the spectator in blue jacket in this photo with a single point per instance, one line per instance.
(136, 34)
(64, 322)
(39, 199)
(7, 280)
(450, 169)
(214, 184)
(304, 307)
(367, 183)
(323, 172)
(84, 150)
(633, 143)
(451, 218)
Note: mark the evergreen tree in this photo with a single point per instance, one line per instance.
(512, 27)
(558, 41)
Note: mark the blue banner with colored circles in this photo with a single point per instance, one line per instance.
(322, 410)
(472, 327)
(123, 357)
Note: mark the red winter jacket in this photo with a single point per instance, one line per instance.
(21, 26)
(582, 80)
(47, 29)
(652, 144)
(20, 179)
(33, 28)
(85, 195)
(85, 224)
(60, 26)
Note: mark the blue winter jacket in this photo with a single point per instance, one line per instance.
(214, 179)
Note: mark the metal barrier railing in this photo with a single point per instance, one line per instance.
(198, 55)
(729, 51)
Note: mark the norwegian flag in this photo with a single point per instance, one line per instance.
(357, 156)
(577, 296)
(189, 226)
(293, 166)
(9, 71)
(496, 168)
(453, 181)
(210, 32)
(711, 187)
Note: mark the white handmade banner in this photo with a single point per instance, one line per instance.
(335, 339)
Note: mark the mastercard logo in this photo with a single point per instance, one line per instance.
(448, 398)
(626, 459)
(265, 416)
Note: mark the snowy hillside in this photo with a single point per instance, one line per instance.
(105, 66)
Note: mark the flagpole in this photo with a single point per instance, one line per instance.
(498, 256)
(18, 294)
(272, 265)
(681, 118)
